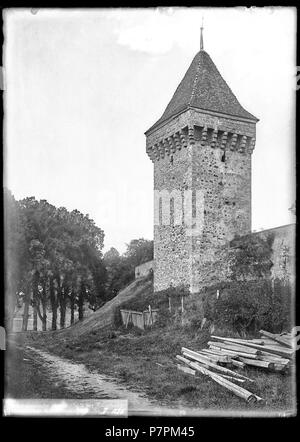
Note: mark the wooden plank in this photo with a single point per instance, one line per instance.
(280, 339)
(213, 352)
(239, 364)
(280, 367)
(256, 363)
(233, 354)
(280, 348)
(231, 351)
(237, 340)
(200, 358)
(186, 369)
(238, 346)
(127, 319)
(270, 342)
(287, 352)
(232, 378)
(237, 390)
(211, 364)
(255, 341)
(217, 358)
(131, 311)
(275, 359)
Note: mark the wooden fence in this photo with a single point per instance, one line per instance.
(139, 319)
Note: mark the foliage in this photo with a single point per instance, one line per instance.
(139, 251)
(120, 268)
(246, 307)
(54, 257)
(250, 257)
(249, 299)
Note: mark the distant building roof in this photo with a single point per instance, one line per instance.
(204, 88)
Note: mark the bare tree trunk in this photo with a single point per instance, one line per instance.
(10, 304)
(80, 301)
(35, 300)
(72, 303)
(62, 302)
(35, 315)
(26, 309)
(44, 305)
(58, 292)
(53, 303)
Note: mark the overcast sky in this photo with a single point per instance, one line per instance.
(82, 87)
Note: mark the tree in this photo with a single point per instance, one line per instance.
(139, 251)
(54, 257)
(250, 257)
(14, 255)
(120, 268)
(246, 302)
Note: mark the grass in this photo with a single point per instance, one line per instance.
(145, 361)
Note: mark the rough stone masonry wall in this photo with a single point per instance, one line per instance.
(210, 154)
(172, 247)
(143, 269)
(216, 270)
(283, 251)
(224, 175)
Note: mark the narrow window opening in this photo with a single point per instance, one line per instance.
(160, 211)
(223, 157)
(194, 210)
(172, 211)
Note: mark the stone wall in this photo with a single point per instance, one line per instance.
(215, 268)
(205, 157)
(144, 269)
(284, 248)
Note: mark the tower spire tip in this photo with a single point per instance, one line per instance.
(201, 36)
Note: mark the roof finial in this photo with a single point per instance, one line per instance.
(201, 36)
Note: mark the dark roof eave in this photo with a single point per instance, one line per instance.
(165, 120)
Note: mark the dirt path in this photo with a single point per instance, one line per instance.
(51, 376)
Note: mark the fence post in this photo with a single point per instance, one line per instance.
(150, 314)
(127, 319)
(182, 310)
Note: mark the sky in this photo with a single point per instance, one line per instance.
(82, 86)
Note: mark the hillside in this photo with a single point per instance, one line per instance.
(104, 317)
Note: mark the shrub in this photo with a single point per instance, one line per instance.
(246, 306)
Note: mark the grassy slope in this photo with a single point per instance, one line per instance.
(145, 360)
(133, 357)
(105, 316)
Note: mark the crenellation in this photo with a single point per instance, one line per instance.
(204, 136)
(224, 140)
(191, 135)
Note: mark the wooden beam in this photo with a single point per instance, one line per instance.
(286, 352)
(186, 369)
(262, 364)
(193, 355)
(284, 341)
(237, 390)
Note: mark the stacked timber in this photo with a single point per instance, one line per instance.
(271, 352)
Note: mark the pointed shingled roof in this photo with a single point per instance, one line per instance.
(204, 88)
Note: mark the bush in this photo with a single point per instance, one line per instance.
(246, 307)
(193, 311)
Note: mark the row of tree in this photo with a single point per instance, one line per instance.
(54, 261)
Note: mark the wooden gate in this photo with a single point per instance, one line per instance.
(139, 319)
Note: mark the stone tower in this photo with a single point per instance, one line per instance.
(201, 148)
